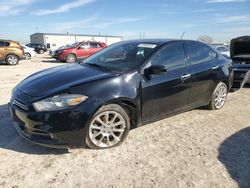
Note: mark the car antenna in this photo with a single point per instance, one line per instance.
(183, 34)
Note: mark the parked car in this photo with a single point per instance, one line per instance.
(128, 84)
(78, 50)
(240, 54)
(52, 52)
(222, 49)
(11, 52)
(28, 52)
(39, 48)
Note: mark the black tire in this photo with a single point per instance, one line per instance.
(41, 51)
(114, 108)
(27, 56)
(71, 58)
(11, 60)
(213, 104)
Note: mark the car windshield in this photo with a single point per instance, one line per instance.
(23, 45)
(74, 45)
(222, 49)
(122, 56)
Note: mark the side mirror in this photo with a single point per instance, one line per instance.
(155, 70)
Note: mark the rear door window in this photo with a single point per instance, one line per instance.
(199, 53)
(93, 45)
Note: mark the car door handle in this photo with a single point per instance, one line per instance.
(185, 76)
(215, 67)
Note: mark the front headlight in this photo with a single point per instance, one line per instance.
(60, 51)
(59, 102)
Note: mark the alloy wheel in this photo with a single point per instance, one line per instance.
(220, 97)
(107, 129)
(27, 56)
(71, 58)
(12, 60)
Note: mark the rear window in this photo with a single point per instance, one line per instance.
(94, 45)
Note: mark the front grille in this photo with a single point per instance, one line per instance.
(20, 105)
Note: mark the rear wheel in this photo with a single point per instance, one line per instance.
(219, 97)
(27, 56)
(12, 60)
(41, 51)
(108, 128)
(71, 58)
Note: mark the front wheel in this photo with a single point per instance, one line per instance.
(219, 97)
(12, 60)
(41, 51)
(70, 58)
(108, 128)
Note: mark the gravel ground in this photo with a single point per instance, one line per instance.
(199, 148)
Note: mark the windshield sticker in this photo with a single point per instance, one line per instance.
(146, 46)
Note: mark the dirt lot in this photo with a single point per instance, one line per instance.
(199, 148)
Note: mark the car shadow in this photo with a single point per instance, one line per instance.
(11, 140)
(234, 153)
(51, 61)
(3, 63)
(48, 57)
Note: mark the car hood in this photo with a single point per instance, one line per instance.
(66, 48)
(50, 81)
(239, 48)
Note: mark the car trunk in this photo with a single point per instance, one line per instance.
(240, 54)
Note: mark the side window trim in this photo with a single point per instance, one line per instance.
(189, 59)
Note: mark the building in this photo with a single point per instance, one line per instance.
(54, 40)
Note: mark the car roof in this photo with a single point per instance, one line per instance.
(4, 40)
(35, 43)
(159, 41)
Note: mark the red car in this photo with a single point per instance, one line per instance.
(78, 50)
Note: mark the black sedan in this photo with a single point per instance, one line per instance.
(96, 102)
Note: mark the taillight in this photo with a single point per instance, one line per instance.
(103, 44)
(21, 48)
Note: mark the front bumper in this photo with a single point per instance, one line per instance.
(61, 56)
(62, 129)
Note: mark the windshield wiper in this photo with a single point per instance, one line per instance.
(98, 66)
(95, 65)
